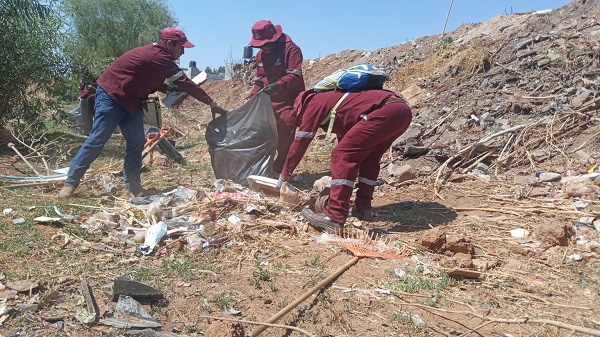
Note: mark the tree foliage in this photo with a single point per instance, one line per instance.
(210, 70)
(31, 62)
(102, 30)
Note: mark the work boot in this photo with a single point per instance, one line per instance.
(322, 221)
(67, 191)
(363, 214)
(142, 192)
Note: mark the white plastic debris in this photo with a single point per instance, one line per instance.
(519, 233)
(7, 211)
(154, 234)
(575, 257)
(46, 219)
(399, 272)
(234, 219)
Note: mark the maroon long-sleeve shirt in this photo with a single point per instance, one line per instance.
(143, 70)
(284, 66)
(312, 108)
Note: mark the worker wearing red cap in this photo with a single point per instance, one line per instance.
(278, 74)
(122, 88)
(366, 124)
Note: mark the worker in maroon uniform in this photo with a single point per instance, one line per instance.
(278, 74)
(366, 124)
(121, 89)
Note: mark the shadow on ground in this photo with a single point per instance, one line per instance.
(412, 216)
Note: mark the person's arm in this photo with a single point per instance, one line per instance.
(188, 86)
(293, 77)
(305, 133)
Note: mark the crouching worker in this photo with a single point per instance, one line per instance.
(122, 88)
(366, 124)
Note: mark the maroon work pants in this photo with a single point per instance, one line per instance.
(358, 154)
(286, 131)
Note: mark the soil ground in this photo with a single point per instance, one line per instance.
(536, 71)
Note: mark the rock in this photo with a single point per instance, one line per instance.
(462, 260)
(555, 233)
(582, 154)
(459, 245)
(433, 240)
(483, 265)
(549, 176)
(516, 265)
(538, 192)
(23, 286)
(578, 100)
(24, 307)
(581, 189)
(401, 173)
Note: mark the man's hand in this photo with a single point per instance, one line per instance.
(271, 88)
(216, 109)
(279, 183)
(173, 89)
(282, 180)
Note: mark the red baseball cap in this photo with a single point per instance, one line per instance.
(263, 32)
(176, 34)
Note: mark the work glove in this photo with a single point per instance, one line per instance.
(271, 88)
(279, 183)
(173, 89)
(216, 109)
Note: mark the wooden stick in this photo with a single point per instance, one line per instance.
(259, 323)
(256, 332)
(12, 146)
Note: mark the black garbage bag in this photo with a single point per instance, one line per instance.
(243, 142)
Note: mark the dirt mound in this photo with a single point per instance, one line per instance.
(493, 188)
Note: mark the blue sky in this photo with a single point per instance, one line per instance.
(221, 28)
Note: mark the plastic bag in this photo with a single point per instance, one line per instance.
(76, 119)
(243, 142)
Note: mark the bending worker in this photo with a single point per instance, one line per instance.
(366, 124)
(121, 89)
(279, 75)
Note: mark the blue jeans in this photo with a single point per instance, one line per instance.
(109, 115)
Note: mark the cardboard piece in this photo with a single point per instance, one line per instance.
(413, 94)
(263, 184)
(175, 98)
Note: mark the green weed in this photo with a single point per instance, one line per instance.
(314, 262)
(414, 281)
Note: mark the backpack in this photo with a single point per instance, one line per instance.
(359, 77)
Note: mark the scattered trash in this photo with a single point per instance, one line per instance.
(45, 219)
(137, 290)
(194, 242)
(154, 234)
(519, 233)
(130, 315)
(574, 257)
(216, 240)
(7, 211)
(233, 219)
(415, 319)
(399, 272)
(18, 221)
